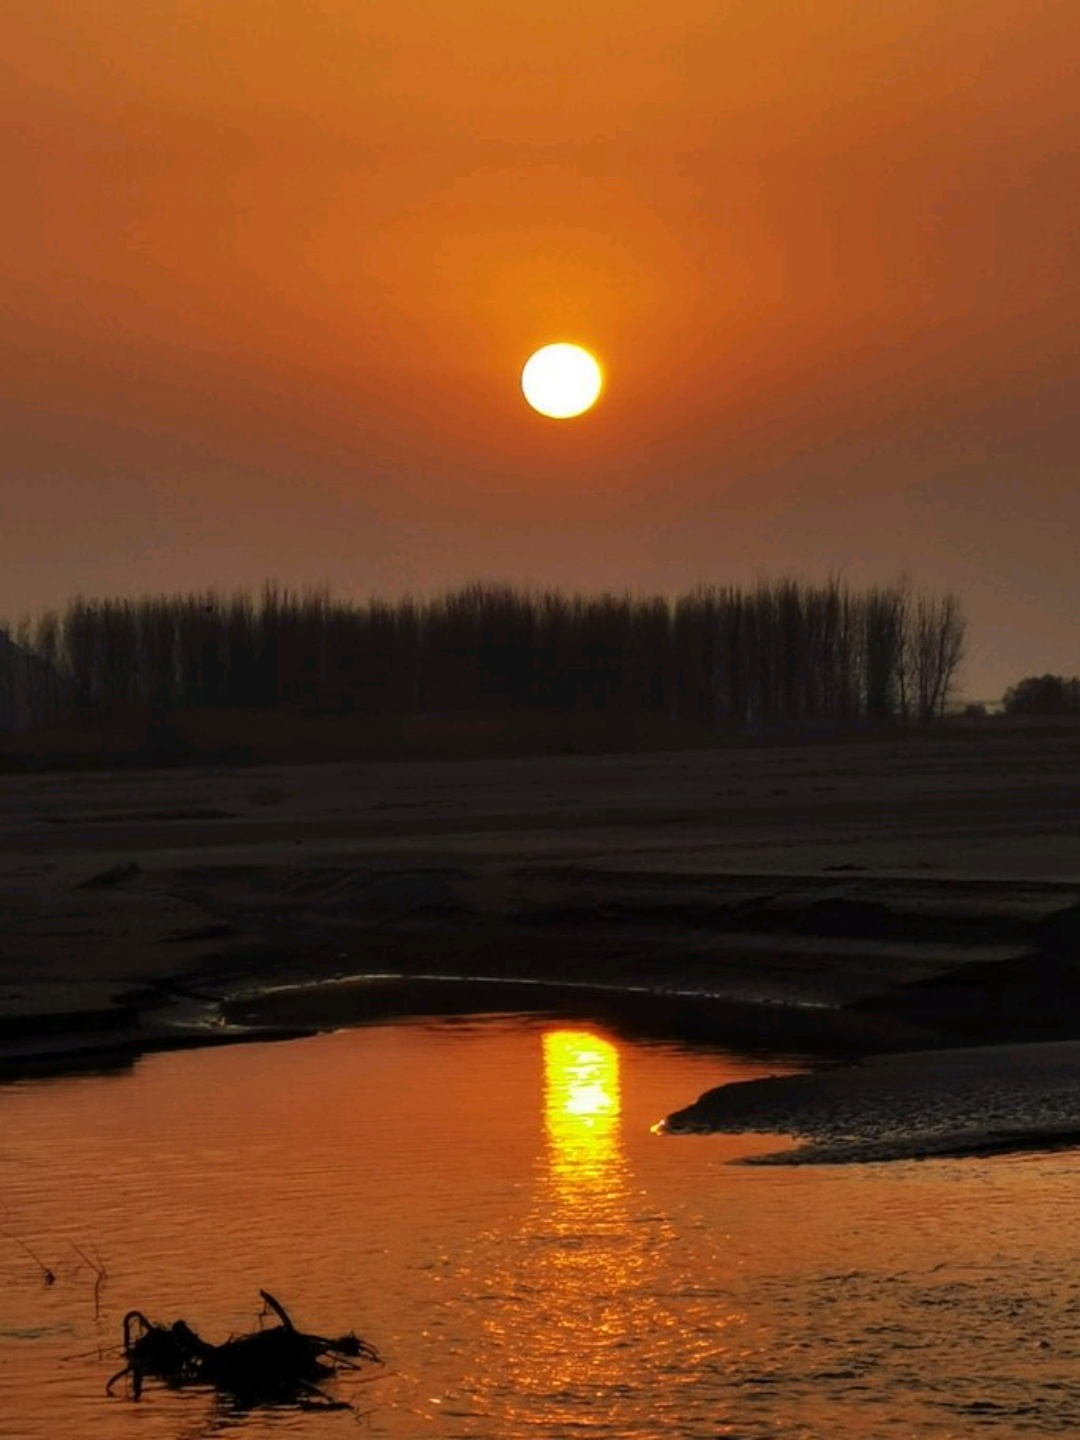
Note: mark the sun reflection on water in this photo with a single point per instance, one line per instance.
(582, 1277)
(581, 1113)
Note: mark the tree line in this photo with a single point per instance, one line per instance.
(1043, 695)
(780, 654)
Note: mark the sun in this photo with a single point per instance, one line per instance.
(562, 381)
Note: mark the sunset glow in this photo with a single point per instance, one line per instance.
(269, 275)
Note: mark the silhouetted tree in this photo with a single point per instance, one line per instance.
(934, 653)
(1043, 695)
(781, 654)
(886, 641)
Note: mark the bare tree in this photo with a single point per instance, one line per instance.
(780, 654)
(885, 617)
(934, 652)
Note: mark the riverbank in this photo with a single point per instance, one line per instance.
(833, 899)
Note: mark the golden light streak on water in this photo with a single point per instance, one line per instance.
(582, 1108)
(577, 1268)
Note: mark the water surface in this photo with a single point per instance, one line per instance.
(484, 1201)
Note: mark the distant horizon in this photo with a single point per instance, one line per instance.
(966, 691)
(771, 630)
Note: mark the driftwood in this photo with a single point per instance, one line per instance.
(281, 1365)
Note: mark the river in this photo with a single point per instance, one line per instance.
(485, 1201)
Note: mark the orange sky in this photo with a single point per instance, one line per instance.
(269, 271)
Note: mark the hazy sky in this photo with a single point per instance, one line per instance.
(269, 272)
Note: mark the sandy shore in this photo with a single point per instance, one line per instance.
(830, 899)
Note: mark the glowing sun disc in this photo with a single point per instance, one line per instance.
(561, 381)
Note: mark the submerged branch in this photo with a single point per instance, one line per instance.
(281, 1365)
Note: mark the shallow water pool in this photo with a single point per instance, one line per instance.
(484, 1200)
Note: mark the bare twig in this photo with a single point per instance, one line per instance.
(97, 1265)
(47, 1275)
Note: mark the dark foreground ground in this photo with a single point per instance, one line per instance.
(826, 899)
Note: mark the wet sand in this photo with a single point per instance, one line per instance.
(983, 1100)
(831, 899)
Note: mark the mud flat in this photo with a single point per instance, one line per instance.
(980, 1101)
(837, 900)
